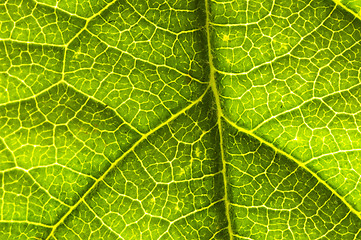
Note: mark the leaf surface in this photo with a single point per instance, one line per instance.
(180, 119)
(354, 6)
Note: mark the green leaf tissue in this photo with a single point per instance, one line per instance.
(180, 119)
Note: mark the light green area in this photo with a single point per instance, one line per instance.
(354, 6)
(180, 119)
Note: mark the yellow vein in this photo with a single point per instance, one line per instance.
(357, 15)
(26, 222)
(145, 136)
(213, 86)
(298, 162)
(101, 220)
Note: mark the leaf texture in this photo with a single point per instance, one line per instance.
(180, 119)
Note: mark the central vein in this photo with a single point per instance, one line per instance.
(213, 86)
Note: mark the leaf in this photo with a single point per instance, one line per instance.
(354, 6)
(180, 119)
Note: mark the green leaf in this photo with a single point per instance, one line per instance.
(354, 6)
(180, 119)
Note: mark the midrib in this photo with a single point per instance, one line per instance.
(213, 85)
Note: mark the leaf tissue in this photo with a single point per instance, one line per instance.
(180, 119)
